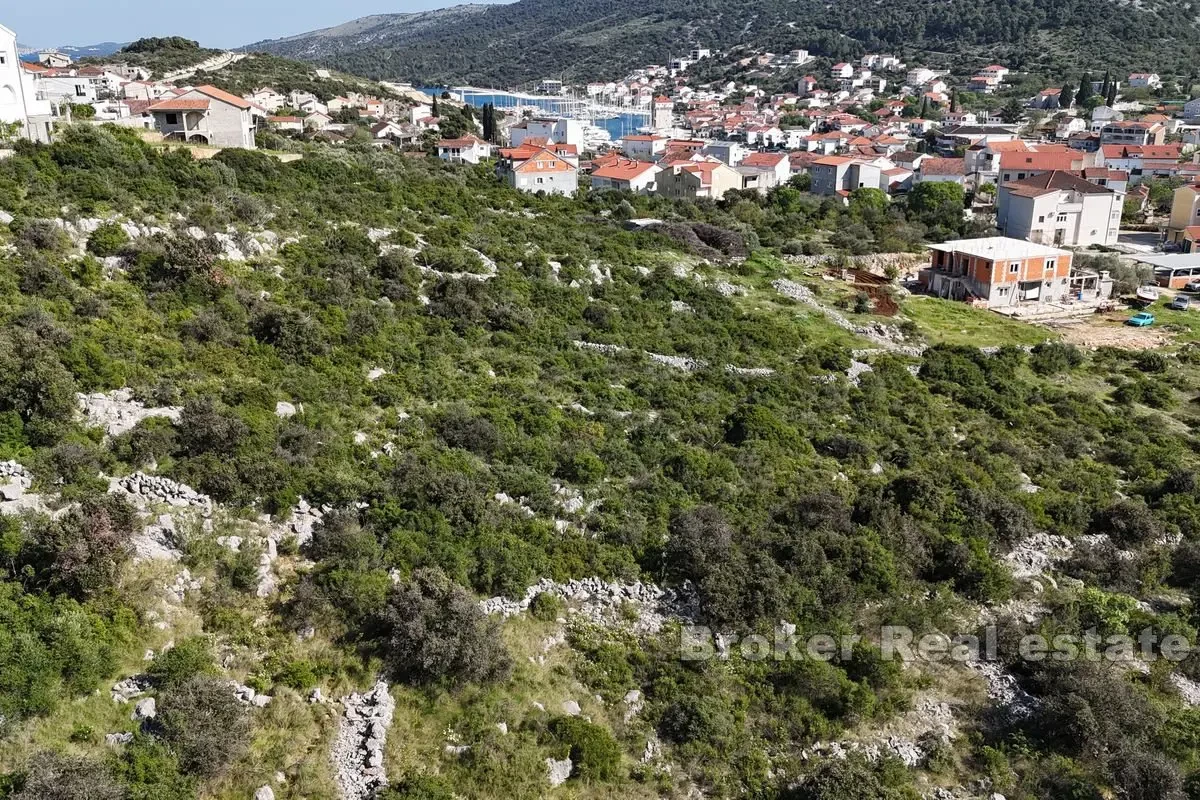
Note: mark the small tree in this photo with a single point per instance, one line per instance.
(107, 240)
(204, 724)
(1085, 89)
(439, 634)
(1066, 96)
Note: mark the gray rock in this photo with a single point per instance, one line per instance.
(357, 750)
(117, 412)
(118, 739)
(558, 772)
(285, 409)
(571, 707)
(264, 793)
(144, 710)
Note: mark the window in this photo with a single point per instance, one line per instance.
(80, 90)
(3, 59)
(172, 119)
(1014, 267)
(1042, 218)
(1051, 264)
(1062, 218)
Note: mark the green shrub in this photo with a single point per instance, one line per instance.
(547, 607)
(186, 660)
(107, 240)
(593, 751)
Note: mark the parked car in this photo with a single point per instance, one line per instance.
(1193, 286)
(1142, 319)
(1180, 303)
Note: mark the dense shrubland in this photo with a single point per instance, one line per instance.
(760, 493)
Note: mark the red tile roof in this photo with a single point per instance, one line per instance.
(767, 160)
(624, 170)
(224, 96)
(944, 166)
(175, 104)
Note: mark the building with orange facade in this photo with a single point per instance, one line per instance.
(999, 272)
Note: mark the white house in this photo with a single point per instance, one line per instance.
(465, 150)
(268, 98)
(559, 130)
(1059, 208)
(1144, 80)
(62, 87)
(19, 100)
(533, 168)
(644, 146)
(627, 175)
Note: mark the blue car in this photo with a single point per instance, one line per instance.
(1142, 319)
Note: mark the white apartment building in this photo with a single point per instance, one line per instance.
(20, 100)
(1059, 208)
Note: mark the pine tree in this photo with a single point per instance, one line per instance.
(433, 111)
(1107, 83)
(954, 100)
(924, 107)
(1111, 98)
(1085, 89)
(1067, 96)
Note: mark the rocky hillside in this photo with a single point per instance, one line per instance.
(363, 476)
(510, 44)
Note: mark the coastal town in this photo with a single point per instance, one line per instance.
(1063, 168)
(449, 404)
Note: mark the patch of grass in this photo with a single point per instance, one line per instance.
(949, 322)
(1184, 324)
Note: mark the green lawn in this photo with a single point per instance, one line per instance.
(951, 322)
(1184, 324)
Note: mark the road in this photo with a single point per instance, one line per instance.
(209, 65)
(1139, 241)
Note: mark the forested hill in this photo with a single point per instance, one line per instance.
(527, 40)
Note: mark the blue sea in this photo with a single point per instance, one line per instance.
(617, 126)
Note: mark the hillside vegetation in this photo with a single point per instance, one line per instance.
(483, 394)
(511, 44)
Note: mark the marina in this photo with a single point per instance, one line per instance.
(604, 123)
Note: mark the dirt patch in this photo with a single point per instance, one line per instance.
(1109, 331)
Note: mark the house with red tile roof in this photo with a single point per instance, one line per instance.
(206, 115)
(627, 174)
(952, 170)
(287, 123)
(1143, 162)
(775, 163)
(469, 149)
(691, 180)
(540, 168)
(1018, 165)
